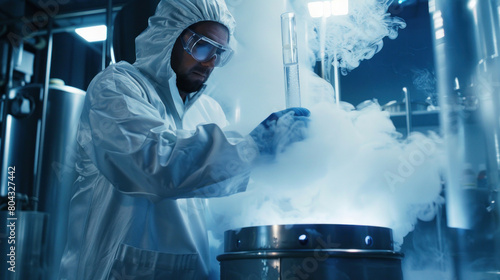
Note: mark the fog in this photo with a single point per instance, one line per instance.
(354, 37)
(354, 167)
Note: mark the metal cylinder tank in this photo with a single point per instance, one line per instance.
(310, 251)
(22, 112)
(21, 148)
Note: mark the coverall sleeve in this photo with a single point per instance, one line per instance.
(141, 153)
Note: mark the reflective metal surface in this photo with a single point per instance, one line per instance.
(322, 251)
(57, 172)
(21, 149)
(21, 125)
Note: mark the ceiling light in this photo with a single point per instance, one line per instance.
(340, 7)
(319, 9)
(93, 33)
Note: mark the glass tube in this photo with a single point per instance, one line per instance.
(466, 49)
(290, 60)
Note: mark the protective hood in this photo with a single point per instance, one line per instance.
(154, 45)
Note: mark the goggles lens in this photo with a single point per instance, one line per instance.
(203, 49)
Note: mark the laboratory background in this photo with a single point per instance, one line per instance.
(397, 179)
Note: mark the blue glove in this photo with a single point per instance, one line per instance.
(281, 129)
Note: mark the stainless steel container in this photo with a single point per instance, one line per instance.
(57, 172)
(21, 148)
(310, 251)
(21, 114)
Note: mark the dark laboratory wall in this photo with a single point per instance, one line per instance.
(400, 63)
(74, 60)
(397, 65)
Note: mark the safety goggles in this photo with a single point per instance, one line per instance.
(203, 49)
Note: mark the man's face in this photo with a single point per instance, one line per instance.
(191, 74)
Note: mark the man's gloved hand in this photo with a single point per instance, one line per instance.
(281, 129)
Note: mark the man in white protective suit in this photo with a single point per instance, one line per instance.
(152, 148)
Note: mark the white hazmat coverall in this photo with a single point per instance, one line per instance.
(137, 210)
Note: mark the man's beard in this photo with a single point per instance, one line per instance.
(184, 83)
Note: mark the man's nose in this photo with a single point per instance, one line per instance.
(210, 63)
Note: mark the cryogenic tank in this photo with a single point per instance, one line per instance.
(22, 111)
(22, 126)
(310, 251)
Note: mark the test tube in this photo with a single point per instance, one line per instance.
(290, 60)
